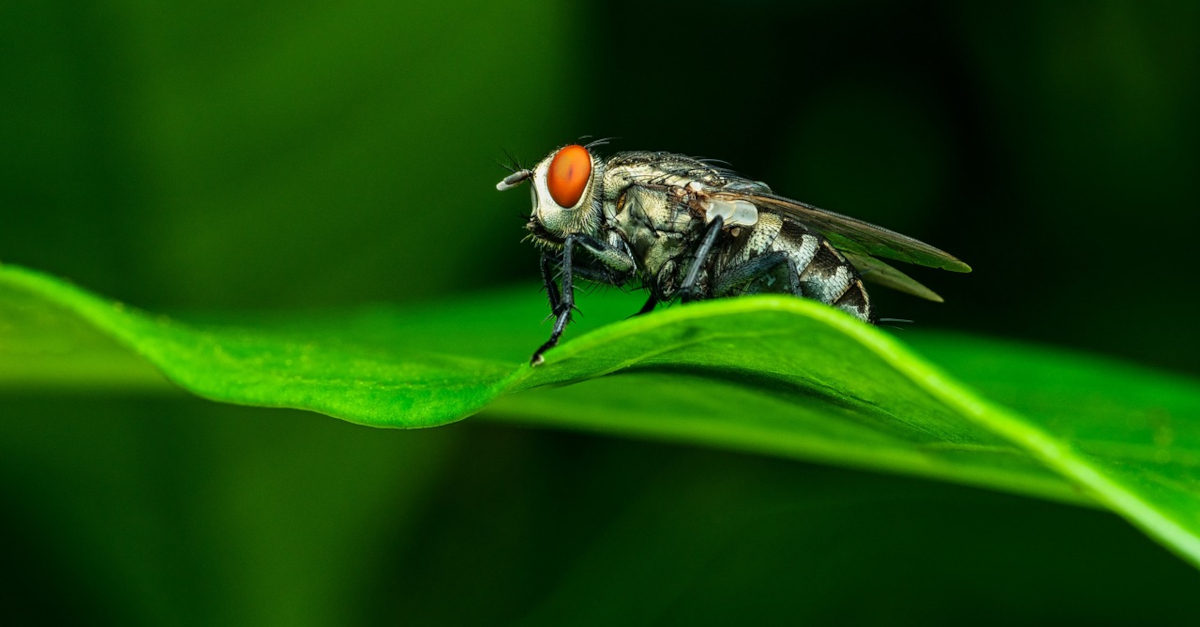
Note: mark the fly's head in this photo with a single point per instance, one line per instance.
(565, 188)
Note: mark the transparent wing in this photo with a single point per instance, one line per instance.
(853, 236)
(875, 271)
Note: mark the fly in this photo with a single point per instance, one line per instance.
(691, 230)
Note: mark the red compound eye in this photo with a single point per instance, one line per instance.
(568, 175)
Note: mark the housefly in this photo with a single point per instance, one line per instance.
(688, 229)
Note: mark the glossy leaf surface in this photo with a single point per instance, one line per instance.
(779, 376)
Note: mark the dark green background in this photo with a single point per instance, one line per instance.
(281, 155)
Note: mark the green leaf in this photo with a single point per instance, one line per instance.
(773, 375)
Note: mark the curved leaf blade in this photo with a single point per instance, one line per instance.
(769, 374)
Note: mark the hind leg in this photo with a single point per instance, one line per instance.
(746, 272)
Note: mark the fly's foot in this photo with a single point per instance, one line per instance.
(562, 315)
(651, 303)
(537, 358)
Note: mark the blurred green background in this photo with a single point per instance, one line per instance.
(314, 156)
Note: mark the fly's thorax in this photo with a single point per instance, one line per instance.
(566, 194)
(660, 230)
(658, 170)
(705, 189)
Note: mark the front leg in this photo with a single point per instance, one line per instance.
(651, 303)
(561, 304)
(548, 281)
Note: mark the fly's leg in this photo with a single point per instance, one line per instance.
(749, 270)
(566, 300)
(617, 262)
(689, 280)
(599, 275)
(616, 266)
(651, 303)
(548, 280)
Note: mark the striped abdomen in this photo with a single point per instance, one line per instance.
(824, 273)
